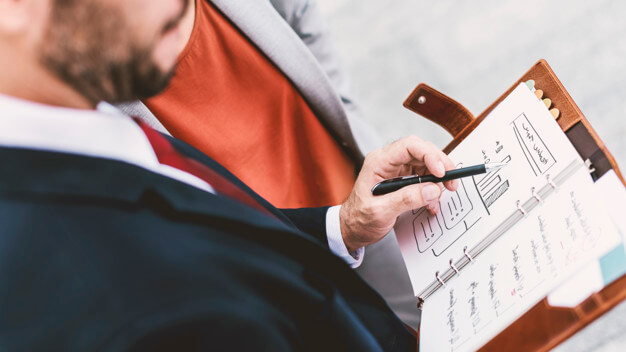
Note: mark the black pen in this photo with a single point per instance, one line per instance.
(394, 184)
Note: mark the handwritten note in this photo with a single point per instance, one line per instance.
(537, 153)
(519, 269)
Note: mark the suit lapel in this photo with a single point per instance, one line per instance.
(271, 34)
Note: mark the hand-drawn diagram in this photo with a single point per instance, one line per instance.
(491, 185)
(535, 150)
(456, 208)
(426, 229)
(461, 210)
(458, 213)
(457, 216)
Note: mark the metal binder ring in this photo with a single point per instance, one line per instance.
(439, 279)
(550, 182)
(454, 267)
(589, 166)
(535, 195)
(519, 207)
(467, 255)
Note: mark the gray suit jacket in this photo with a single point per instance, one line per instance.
(291, 33)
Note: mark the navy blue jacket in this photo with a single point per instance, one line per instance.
(101, 255)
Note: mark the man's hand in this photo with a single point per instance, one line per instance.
(365, 218)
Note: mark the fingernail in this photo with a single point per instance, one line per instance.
(432, 208)
(430, 192)
(440, 168)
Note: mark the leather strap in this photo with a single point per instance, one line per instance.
(439, 108)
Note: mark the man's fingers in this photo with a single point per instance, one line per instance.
(452, 185)
(409, 151)
(366, 218)
(449, 165)
(438, 163)
(405, 151)
(433, 208)
(412, 197)
(426, 151)
(435, 164)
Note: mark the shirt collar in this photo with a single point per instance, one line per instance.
(104, 132)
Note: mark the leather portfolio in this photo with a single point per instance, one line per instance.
(543, 326)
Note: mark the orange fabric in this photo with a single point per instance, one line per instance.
(229, 101)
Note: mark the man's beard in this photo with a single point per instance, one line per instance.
(89, 46)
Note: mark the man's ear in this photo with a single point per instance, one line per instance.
(15, 16)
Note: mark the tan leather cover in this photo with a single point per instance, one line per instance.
(542, 327)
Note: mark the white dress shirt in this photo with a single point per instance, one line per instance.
(107, 133)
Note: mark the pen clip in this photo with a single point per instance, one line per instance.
(393, 180)
(397, 179)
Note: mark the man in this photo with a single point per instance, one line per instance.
(286, 126)
(115, 237)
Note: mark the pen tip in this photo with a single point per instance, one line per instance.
(495, 166)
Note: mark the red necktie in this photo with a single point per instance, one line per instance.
(167, 154)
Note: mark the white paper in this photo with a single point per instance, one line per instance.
(521, 132)
(577, 288)
(550, 244)
(610, 190)
(613, 194)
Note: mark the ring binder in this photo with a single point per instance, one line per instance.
(443, 283)
(454, 267)
(467, 254)
(550, 182)
(589, 166)
(519, 207)
(534, 194)
(522, 209)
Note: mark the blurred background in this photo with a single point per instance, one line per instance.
(473, 51)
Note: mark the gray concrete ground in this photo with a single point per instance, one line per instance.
(473, 51)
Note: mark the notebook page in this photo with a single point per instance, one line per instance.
(520, 132)
(557, 239)
(607, 268)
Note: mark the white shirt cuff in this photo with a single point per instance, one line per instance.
(335, 240)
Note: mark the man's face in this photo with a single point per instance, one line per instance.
(112, 50)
